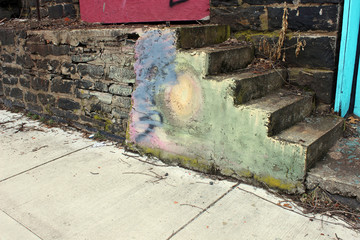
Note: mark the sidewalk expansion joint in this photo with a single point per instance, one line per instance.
(204, 210)
(21, 224)
(50, 161)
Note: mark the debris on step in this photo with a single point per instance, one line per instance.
(339, 171)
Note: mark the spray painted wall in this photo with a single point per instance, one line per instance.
(181, 116)
(119, 11)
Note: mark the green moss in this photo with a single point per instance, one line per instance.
(250, 35)
(276, 183)
(107, 122)
(209, 167)
(222, 33)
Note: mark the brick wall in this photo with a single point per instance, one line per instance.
(315, 21)
(84, 77)
(53, 9)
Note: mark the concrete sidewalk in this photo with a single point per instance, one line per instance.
(55, 184)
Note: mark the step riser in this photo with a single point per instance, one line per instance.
(201, 36)
(229, 60)
(290, 115)
(257, 86)
(320, 147)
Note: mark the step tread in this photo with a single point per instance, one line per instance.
(310, 130)
(248, 84)
(240, 75)
(223, 48)
(284, 109)
(277, 100)
(224, 58)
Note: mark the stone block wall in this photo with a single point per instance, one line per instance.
(53, 9)
(85, 77)
(315, 21)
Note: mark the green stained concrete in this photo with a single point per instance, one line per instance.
(231, 139)
(221, 137)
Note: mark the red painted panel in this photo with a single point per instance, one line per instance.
(121, 11)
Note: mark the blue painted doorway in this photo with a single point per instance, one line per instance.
(347, 99)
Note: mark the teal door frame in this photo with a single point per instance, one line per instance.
(347, 99)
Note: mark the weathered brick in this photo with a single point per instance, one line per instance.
(118, 113)
(83, 58)
(103, 97)
(123, 102)
(239, 18)
(48, 49)
(34, 108)
(16, 93)
(24, 82)
(40, 84)
(12, 70)
(100, 86)
(54, 66)
(124, 75)
(25, 61)
(7, 58)
(82, 94)
(1, 89)
(8, 103)
(117, 129)
(30, 97)
(18, 104)
(95, 122)
(305, 18)
(6, 91)
(266, 2)
(42, 64)
(84, 84)
(46, 99)
(222, 3)
(322, 82)
(60, 85)
(122, 90)
(69, 11)
(98, 107)
(321, 1)
(56, 11)
(68, 69)
(95, 71)
(7, 37)
(10, 80)
(68, 104)
(319, 52)
(64, 114)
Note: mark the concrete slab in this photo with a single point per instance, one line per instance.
(98, 193)
(252, 213)
(10, 228)
(339, 171)
(26, 143)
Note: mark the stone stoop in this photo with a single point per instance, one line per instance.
(232, 121)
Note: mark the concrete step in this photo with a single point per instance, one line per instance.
(222, 58)
(283, 108)
(197, 36)
(225, 59)
(338, 172)
(250, 85)
(315, 134)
